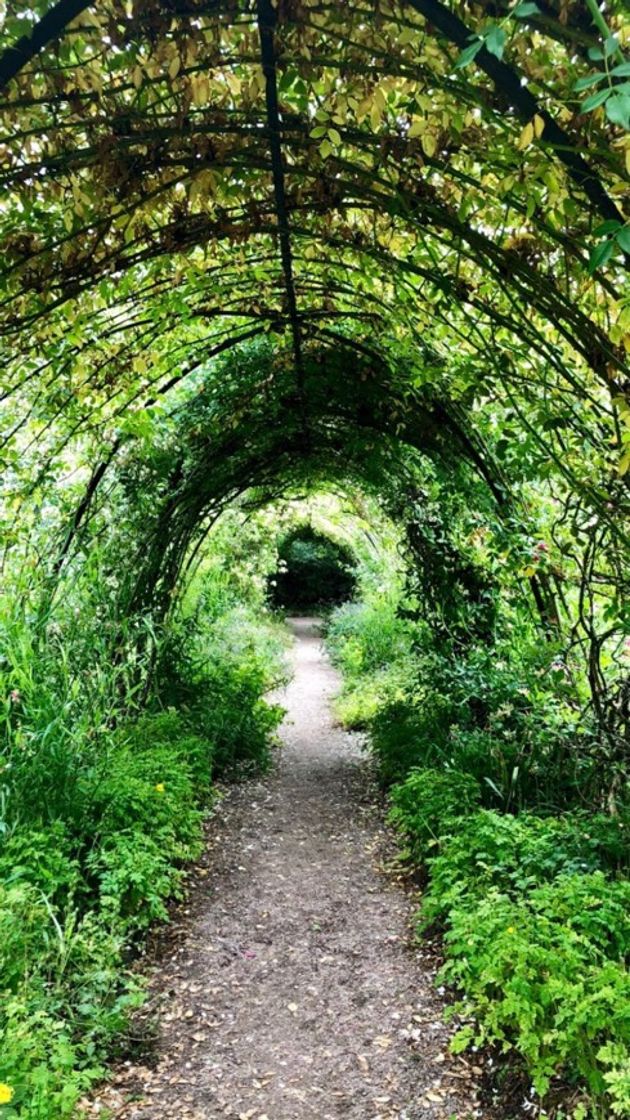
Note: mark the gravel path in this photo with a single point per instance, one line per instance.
(290, 990)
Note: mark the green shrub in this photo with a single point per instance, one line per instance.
(43, 858)
(542, 974)
(373, 647)
(403, 736)
(219, 685)
(494, 851)
(429, 805)
(58, 1021)
(152, 792)
(135, 875)
(235, 720)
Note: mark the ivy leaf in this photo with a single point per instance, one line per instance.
(495, 41)
(600, 255)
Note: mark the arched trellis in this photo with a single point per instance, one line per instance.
(267, 142)
(185, 175)
(255, 442)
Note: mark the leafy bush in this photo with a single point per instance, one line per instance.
(404, 736)
(535, 931)
(65, 995)
(430, 804)
(217, 673)
(543, 974)
(492, 851)
(495, 763)
(373, 647)
(103, 807)
(42, 858)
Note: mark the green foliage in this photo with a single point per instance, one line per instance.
(430, 804)
(372, 645)
(404, 736)
(543, 975)
(497, 784)
(490, 851)
(107, 776)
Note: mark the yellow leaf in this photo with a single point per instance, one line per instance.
(137, 77)
(375, 117)
(379, 99)
(429, 144)
(628, 160)
(624, 463)
(200, 88)
(417, 128)
(526, 137)
(325, 149)
(539, 126)
(174, 66)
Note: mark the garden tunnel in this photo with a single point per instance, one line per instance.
(314, 572)
(256, 255)
(405, 200)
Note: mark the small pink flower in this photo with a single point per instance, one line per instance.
(15, 695)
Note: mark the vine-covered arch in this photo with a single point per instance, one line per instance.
(360, 266)
(417, 185)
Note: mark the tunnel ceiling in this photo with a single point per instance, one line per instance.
(181, 176)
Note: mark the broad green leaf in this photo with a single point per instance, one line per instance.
(618, 109)
(610, 226)
(600, 255)
(495, 41)
(468, 54)
(522, 11)
(595, 100)
(589, 80)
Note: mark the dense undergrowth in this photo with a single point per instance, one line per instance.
(109, 764)
(498, 797)
(253, 252)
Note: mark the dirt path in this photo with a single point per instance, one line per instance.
(292, 993)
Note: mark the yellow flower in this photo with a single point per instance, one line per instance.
(160, 787)
(6, 1093)
(510, 929)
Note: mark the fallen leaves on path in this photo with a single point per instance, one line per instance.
(288, 989)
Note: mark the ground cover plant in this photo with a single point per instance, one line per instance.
(104, 792)
(255, 252)
(497, 797)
